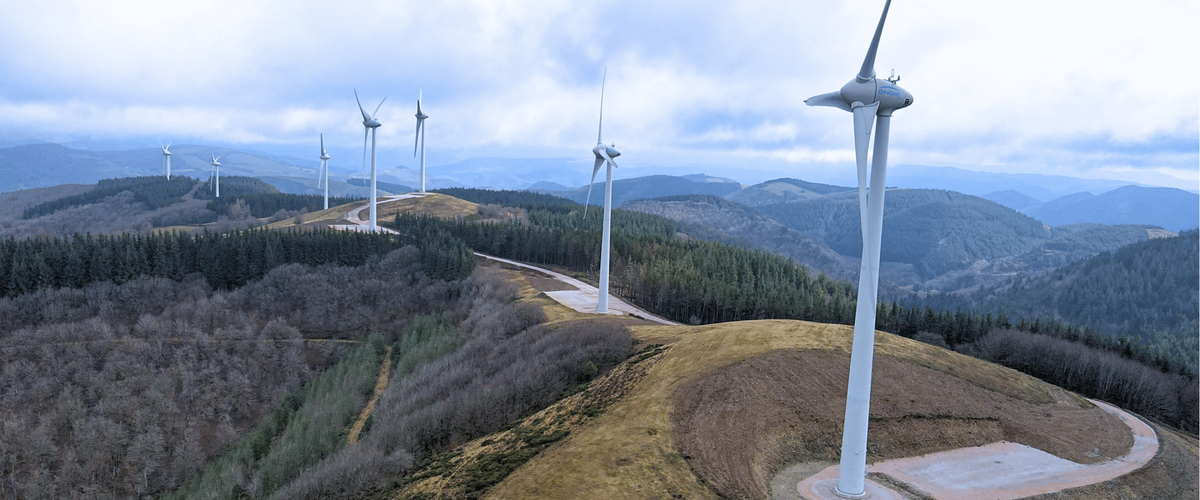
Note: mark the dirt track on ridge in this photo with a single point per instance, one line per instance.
(740, 424)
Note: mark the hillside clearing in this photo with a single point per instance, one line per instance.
(632, 450)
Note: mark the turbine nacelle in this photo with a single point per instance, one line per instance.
(216, 163)
(601, 151)
(874, 90)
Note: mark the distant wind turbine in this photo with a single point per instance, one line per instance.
(217, 173)
(604, 155)
(324, 175)
(420, 137)
(867, 97)
(369, 126)
(166, 158)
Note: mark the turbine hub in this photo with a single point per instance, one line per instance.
(599, 150)
(325, 156)
(422, 116)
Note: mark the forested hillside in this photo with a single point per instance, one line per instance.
(127, 390)
(225, 260)
(935, 231)
(152, 192)
(1148, 290)
(750, 229)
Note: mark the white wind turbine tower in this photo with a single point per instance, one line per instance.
(867, 97)
(604, 155)
(324, 175)
(166, 158)
(217, 173)
(369, 126)
(420, 137)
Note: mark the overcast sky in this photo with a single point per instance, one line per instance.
(1099, 89)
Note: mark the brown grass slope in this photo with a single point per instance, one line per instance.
(729, 405)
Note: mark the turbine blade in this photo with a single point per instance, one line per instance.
(360, 108)
(364, 168)
(608, 158)
(864, 119)
(322, 144)
(832, 99)
(868, 67)
(379, 106)
(595, 168)
(600, 127)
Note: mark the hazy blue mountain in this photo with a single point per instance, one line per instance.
(42, 165)
(548, 187)
(1040, 187)
(1170, 208)
(709, 178)
(782, 191)
(652, 186)
(391, 188)
(513, 173)
(1013, 199)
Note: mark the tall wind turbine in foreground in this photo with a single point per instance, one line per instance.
(166, 159)
(604, 155)
(324, 176)
(369, 126)
(217, 173)
(867, 97)
(421, 138)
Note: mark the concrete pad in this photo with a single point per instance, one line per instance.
(585, 297)
(1004, 470)
(820, 487)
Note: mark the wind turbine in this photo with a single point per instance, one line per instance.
(867, 97)
(217, 173)
(604, 155)
(166, 158)
(420, 136)
(324, 175)
(369, 126)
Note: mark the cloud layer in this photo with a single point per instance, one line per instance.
(1081, 88)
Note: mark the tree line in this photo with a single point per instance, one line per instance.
(225, 260)
(152, 191)
(268, 204)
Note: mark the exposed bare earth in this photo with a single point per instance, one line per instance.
(745, 422)
(630, 451)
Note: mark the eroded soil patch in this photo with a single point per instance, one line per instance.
(744, 422)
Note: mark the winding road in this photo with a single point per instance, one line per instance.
(582, 298)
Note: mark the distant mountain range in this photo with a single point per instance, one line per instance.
(652, 186)
(1053, 200)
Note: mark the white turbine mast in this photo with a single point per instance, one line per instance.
(369, 126)
(166, 151)
(323, 176)
(604, 156)
(420, 137)
(867, 97)
(217, 173)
